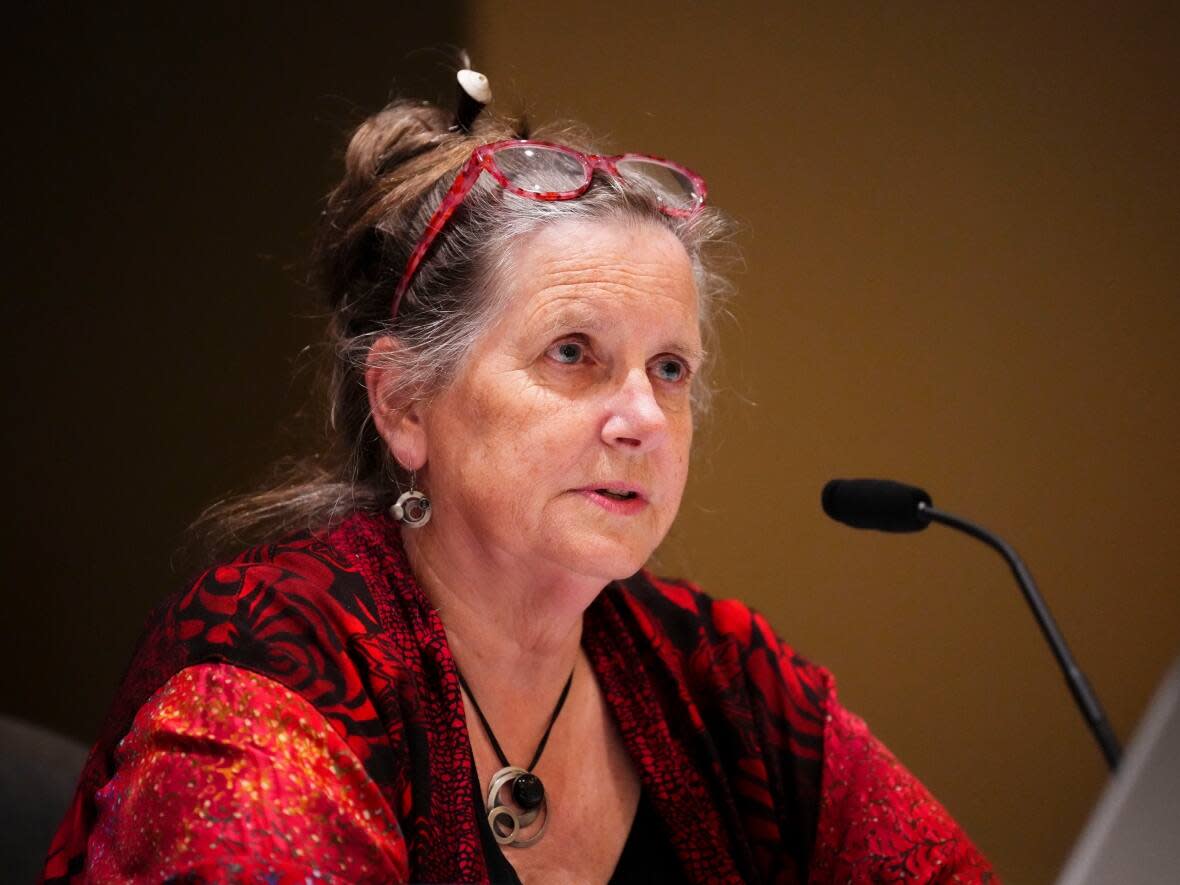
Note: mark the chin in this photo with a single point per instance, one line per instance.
(609, 559)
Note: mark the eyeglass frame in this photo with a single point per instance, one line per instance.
(481, 161)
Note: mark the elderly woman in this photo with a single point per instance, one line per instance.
(448, 663)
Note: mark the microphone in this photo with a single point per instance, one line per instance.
(888, 506)
(879, 504)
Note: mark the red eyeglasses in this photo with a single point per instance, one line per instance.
(539, 170)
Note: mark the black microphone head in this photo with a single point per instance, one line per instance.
(879, 504)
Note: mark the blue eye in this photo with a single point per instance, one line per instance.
(671, 370)
(567, 352)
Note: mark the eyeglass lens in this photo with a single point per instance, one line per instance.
(540, 169)
(671, 186)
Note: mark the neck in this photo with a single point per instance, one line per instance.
(515, 631)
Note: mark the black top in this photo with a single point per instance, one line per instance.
(646, 854)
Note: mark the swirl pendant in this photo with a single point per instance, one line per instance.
(516, 797)
(506, 821)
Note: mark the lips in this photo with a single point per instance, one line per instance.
(616, 497)
(623, 491)
(621, 496)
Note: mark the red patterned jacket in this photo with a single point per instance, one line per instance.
(756, 772)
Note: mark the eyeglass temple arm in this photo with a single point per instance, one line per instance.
(464, 182)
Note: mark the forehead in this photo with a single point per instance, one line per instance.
(595, 273)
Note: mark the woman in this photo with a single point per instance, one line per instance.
(451, 666)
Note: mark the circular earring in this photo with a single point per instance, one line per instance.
(412, 508)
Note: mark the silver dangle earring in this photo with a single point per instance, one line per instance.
(412, 508)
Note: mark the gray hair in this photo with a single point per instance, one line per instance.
(398, 167)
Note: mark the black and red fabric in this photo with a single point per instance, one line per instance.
(755, 771)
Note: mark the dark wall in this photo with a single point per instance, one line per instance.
(163, 179)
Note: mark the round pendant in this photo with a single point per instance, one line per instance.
(526, 801)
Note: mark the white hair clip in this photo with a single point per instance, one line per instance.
(474, 92)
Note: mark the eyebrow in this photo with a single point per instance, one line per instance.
(573, 316)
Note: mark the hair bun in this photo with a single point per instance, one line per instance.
(398, 133)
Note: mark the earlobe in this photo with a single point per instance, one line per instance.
(397, 414)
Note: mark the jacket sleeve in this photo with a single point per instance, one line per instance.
(877, 822)
(226, 776)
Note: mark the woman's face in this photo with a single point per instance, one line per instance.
(563, 444)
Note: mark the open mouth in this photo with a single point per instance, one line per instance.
(618, 496)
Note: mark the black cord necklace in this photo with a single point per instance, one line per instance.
(525, 789)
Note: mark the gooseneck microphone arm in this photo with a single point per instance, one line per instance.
(1079, 687)
(887, 506)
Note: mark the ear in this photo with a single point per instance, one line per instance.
(397, 415)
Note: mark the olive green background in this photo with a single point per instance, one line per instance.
(958, 228)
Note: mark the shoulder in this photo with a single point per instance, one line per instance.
(686, 614)
(716, 641)
(302, 579)
(290, 610)
(298, 565)
(297, 612)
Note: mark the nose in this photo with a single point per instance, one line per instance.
(635, 421)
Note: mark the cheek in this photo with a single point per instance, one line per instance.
(553, 435)
(510, 439)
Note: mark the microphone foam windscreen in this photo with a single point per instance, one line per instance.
(879, 504)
